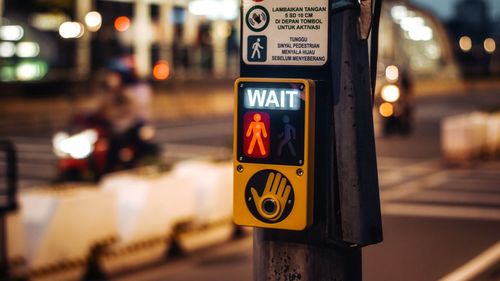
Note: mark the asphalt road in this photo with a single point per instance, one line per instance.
(436, 218)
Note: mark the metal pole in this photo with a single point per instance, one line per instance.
(311, 260)
(346, 206)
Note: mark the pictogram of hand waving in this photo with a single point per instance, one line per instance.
(271, 203)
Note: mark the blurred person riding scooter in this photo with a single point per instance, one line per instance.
(126, 106)
(117, 135)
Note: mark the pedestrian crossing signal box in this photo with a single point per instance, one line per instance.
(273, 152)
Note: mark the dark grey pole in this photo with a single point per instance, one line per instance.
(346, 206)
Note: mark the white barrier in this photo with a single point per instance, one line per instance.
(61, 226)
(140, 212)
(463, 137)
(493, 135)
(214, 191)
(470, 136)
(213, 188)
(149, 205)
(196, 195)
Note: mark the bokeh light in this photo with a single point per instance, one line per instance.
(71, 29)
(392, 73)
(7, 73)
(390, 93)
(31, 70)
(465, 43)
(48, 21)
(27, 49)
(386, 109)
(11, 32)
(399, 12)
(489, 45)
(122, 23)
(93, 20)
(7, 49)
(224, 9)
(161, 70)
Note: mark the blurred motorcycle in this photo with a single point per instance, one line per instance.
(88, 148)
(393, 101)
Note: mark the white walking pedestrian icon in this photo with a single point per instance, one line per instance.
(255, 47)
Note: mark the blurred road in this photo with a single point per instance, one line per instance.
(435, 221)
(436, 218)
(179, 140)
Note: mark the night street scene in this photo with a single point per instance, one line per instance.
(264, 140)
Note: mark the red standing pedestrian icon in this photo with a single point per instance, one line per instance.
(256, 138)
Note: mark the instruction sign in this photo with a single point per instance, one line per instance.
(274, 150)
(283, 32)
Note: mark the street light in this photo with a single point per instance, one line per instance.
(71, 29)
(11, 32)
(213, 9)
(161, 70)
(122, 23)
(465, 43)
(93, 20)
(7, 49)
(489, 45)
(27, 49)
(392, 73)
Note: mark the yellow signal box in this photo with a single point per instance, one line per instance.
(274, 152)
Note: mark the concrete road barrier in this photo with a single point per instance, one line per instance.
(149, 206)
(213, 188)
(131, 219)
(463, 137)
(213, 218)
(61, 225)
(191, 204)
(492, 148)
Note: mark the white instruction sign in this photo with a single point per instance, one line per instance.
(285, 32)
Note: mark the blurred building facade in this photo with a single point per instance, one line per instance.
(73, 38)
(475, 35)
(415, 41)
(178, 39)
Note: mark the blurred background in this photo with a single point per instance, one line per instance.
(121, 115)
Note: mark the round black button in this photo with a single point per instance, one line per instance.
(269, 206)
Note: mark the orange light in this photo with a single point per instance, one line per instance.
(489, 45)
(386, 109)
(465, 43)
(122, 23)
(161, 70)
